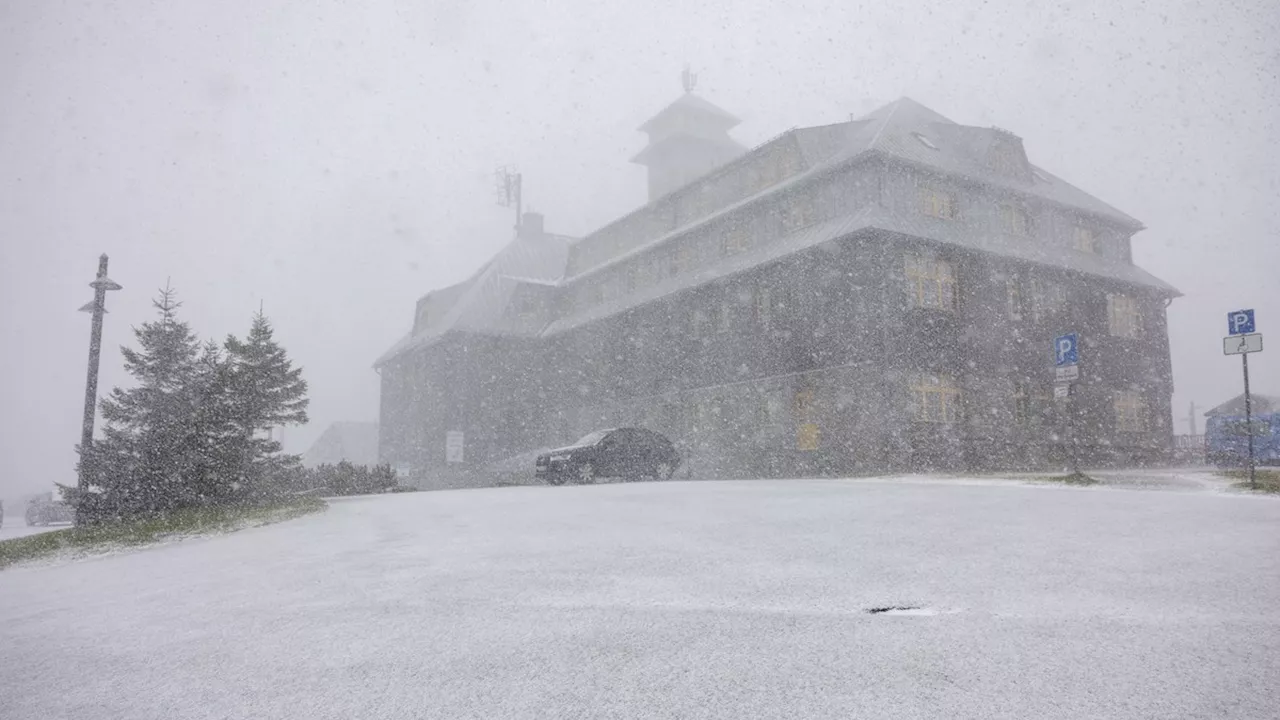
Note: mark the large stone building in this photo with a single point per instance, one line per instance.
(872, 295)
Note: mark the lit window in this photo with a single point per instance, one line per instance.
(1015, 220)
(931, 281)
(936, 399)
(1085, 240)
(807, 433)
(1123, 316)
(936, 203)
(1130, 411)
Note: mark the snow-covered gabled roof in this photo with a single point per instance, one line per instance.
(482, 300)
(1260, 405)
(696, 104)
(907, 130)
(355, 442)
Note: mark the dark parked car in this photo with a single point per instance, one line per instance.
(629, 453)
(44, 512)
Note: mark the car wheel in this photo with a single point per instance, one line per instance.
(586, 474)
(664, 471)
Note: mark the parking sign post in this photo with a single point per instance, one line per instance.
(1066, 368)
(1242, 339)
(1248, 422)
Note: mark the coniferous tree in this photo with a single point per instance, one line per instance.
(266, 392)
(140, 464)
(214, 443)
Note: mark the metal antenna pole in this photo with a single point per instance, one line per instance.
(510, 192)
(519, 182)
(98, 308)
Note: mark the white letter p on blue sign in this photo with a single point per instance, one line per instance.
(1240, 322)
(1064, 350)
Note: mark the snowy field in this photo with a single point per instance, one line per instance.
(675, 600)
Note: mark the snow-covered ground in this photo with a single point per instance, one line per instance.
(679, 600)
(15, 526)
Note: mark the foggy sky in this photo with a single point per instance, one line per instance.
(334, 160)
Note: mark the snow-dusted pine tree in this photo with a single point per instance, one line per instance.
(141, 463)
(266, 392)
(215, 444)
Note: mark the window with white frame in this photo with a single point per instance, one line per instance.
(1013, 296)
(936, 399)
(937, 203)
(1048, 298)
(763, 308)
(1130, 410)
(931, 282)
(1015, 220)
(1124, 318)
(1085, 240)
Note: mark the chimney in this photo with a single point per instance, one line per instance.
(531, 225)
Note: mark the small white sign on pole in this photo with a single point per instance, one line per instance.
(453, 446)
(1066, 373)
(1242, 344)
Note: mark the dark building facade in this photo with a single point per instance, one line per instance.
(869, 296)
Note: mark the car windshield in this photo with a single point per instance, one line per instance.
(591, 438)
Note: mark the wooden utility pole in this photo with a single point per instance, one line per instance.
(98, 308)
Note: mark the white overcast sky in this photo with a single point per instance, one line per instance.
(333, 160)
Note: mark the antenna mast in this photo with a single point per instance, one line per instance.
(508, 190)
(688, 79)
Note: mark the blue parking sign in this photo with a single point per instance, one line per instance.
(1065, 350)
(1240, 322)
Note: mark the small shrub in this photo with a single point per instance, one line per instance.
(346, 478)
(1075, 478)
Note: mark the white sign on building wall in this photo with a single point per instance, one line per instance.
(453, 446)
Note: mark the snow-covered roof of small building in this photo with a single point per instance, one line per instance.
(478, 304)
(696, 104)
(355, 442)
(1261, 405)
